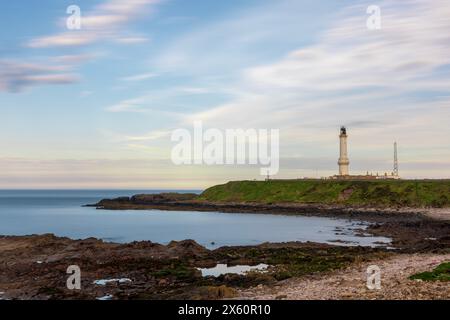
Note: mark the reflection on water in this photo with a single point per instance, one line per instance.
(104, 282)
(224, 269)
(61, 213)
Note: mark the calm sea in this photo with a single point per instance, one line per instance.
(24, 212)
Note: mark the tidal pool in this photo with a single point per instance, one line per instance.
(61, 212)
(224, 269)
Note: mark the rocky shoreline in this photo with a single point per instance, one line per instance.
(35, 267)
(190, 202)
(413, 229)
(349, 283)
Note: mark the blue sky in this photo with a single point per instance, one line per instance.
(94, 108)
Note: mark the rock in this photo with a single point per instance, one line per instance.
(221, 292)
(187, 248)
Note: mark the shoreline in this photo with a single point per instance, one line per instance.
(170, 202)
(411, 229)
(349, 283)
(34, 267)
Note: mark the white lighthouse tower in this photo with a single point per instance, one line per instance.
(343, 157)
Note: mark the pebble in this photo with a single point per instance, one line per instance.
(351, 284)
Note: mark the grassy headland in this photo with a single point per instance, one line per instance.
(405, 193)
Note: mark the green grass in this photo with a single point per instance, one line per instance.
(176, 269)
(290, 262)
(440, 273)
(413, 193)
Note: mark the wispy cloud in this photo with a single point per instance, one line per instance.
(104, 22)
(18, 75)
(132, 40)
(154, 135)
(238, 39)
(73, 58)
(351, 63)
(373, 79)
(139, 77)
(64, 39)
(150, 103)
(86, 93)
(194, 90)
(164, 100)
(129, 105)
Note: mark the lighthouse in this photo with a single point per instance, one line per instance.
(343, 157)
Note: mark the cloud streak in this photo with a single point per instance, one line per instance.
(139, 77)
(376, 79)
(104, 22)
(351, 63)
(15, 76)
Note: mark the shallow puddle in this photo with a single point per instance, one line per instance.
(224, 269)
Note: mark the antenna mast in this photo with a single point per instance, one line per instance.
(395, 160)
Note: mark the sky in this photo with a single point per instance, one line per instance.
(95, 107)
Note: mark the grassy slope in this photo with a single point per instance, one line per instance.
(432, 193)
(440, 273)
